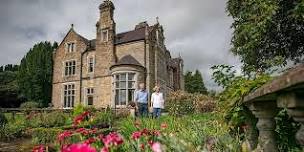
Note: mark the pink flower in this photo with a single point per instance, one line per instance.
(136, 135)
(112, 139)
(39, 148)
(63, 135)
(79, 148)
(105, 149)
(163, 125)
(156, 147)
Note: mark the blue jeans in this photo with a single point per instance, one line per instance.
(156, 112)
(142, 109)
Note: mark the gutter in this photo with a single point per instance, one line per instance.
(80, 77)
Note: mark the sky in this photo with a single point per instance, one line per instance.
(199, 30)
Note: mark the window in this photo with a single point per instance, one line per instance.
(70, 68)
(69, 96)
(71, 47)
(90, 94)
(104, 35)
(171, 78)
(124, 88)
(91, 65)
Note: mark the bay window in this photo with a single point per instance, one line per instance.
(124, 84)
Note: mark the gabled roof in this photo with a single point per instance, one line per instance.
(72, 30)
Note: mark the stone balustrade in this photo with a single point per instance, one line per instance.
(285, 91)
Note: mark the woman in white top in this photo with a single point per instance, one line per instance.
(157, 102)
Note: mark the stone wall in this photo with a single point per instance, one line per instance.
(135, 49)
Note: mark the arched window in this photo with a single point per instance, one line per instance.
(124, 84)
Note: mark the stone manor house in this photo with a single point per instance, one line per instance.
(106, 71)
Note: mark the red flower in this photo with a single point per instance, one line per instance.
(90, 141)
(80, 130)
(136, 135)
(63, 135)
(142, 146)
(79, 148)
(163, 125)
(78, 119)
(39, 148)
(112, 139)
(150, 142)
(156, 132)
(145, 132)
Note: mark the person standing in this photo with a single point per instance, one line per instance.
(157, 102)
(141, 100)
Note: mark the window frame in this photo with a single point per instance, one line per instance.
(89, 64)
(127, 89)
(89, 92)
(70, 47)
(104, 38)
(69, 70)
(68, 99)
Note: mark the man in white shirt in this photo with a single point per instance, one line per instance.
(157, 102)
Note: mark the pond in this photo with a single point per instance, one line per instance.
(18, 145)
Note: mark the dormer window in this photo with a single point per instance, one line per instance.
(104, 35)
(71, 47)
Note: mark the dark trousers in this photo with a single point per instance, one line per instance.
(156, 112)
(142, 109)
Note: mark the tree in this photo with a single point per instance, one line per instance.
(267, 33)
(188, 81)
(35, 73)
(194, 83)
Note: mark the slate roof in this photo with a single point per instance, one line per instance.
(130, 36)
(125, 37)
(128, 60)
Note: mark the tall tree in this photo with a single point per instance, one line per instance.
(35, 73)
(194, 83)
(188, 81)
(267, 33)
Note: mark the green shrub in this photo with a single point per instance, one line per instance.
(30, 105)
(3, 120)
(45, 135)
(53, 119)
(182, 103)
(48, 120)
(104, 118)
(12, 131)
(79, 109)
